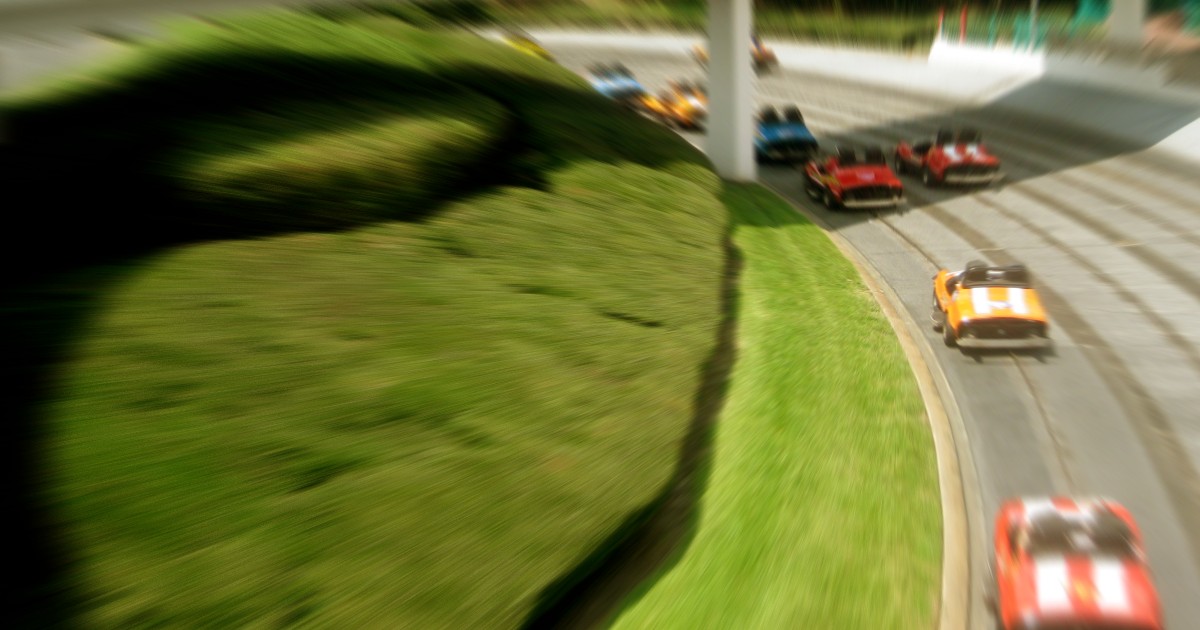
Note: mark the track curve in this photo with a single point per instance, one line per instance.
(1114, 237)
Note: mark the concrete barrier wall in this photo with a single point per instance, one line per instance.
(1100, 71)
(953, 54)
(1094, 69)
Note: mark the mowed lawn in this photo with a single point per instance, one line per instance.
(367, 430)
(426, 334)
(822, 507)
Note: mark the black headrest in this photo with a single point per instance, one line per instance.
(1110, 528)
(874, 155)
(977, 274)
(944, 136)
(768, 114)
(792, 114)
(846, 156)
(1051, 531)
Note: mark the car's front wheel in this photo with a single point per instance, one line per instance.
(991, 597)
(827, 199)
(811, 189)
(948, 336)
(927, 177)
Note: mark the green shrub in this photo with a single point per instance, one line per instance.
(414, 423)
(405, 156)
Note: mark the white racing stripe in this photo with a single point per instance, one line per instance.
(980, 300)
(1051, 581)
(1037, 507)
(1016, 300)
(1112, 594)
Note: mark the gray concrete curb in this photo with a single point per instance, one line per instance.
(958, 483)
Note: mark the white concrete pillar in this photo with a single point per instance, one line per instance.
(730, 125)
(1126, 21)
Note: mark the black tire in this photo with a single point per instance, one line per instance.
(811, 188)
(948, 337)
(939, 318)
(827, 199)
(927, 178)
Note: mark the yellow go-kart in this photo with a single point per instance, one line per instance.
(764, 58)
(526, 44)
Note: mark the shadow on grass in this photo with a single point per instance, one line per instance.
(653, 540)
(42, 323)
(95, 169)
(97, 205)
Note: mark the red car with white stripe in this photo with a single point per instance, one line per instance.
(1079, 564)
(951, 157)
(853, 179)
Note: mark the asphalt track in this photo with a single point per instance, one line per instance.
(1113, 238)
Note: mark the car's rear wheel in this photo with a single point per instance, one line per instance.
(939, 318)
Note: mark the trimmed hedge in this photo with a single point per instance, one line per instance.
(407, 154)
(423, 419)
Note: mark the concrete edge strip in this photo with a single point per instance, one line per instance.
(957, 483)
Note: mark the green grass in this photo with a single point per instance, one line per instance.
(420, 419)
(402, 325)
(402, 154)
(399, 426)
(822, 505)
